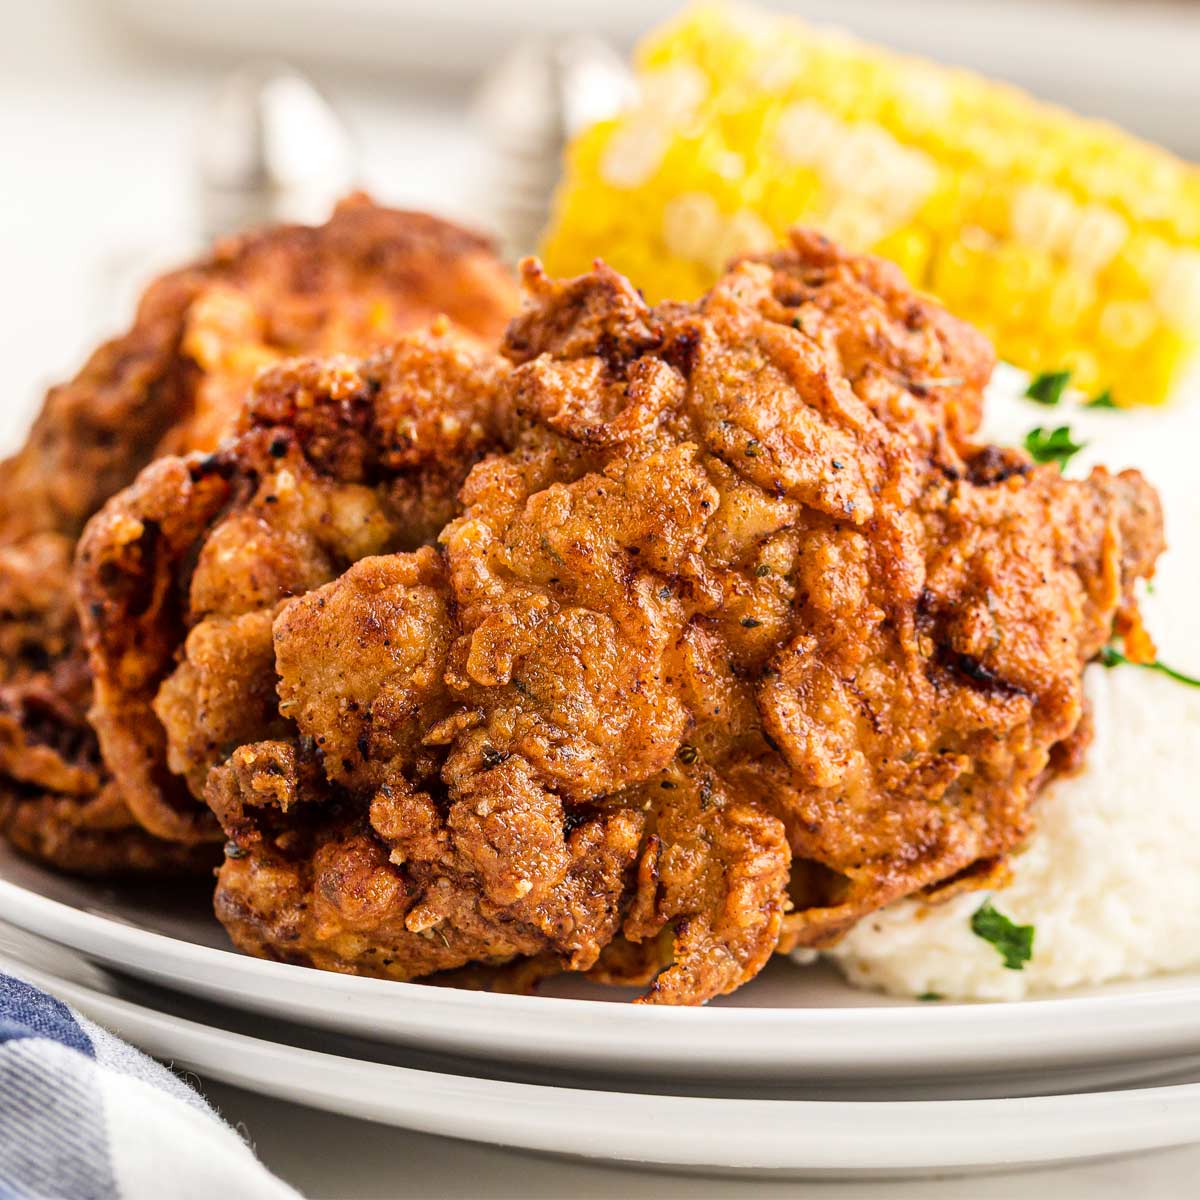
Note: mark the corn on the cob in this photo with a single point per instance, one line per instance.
(1072, 244)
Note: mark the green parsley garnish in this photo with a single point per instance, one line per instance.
(931, 996)
(1048, 387)
(1014, 942)
(1052, 445)
(1110, 656)
(1102, 400)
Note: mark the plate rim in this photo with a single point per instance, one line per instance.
(117, 930)
(48, 917)
(817, 1136)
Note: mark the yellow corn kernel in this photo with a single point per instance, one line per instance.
(909, 248)
(1068, 299)
(1066, 240)
(1126, 324)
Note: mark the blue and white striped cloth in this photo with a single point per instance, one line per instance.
(83, 1116)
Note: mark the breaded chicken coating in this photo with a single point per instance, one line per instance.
(176, 382)
(735, 636)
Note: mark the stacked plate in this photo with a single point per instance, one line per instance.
(797, 1073)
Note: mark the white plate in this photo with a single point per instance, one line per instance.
(694, 1131)
(791, 1024)
(49, 960)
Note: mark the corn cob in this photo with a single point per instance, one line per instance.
(1073, 245)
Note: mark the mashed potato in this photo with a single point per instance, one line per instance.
(1111, 879)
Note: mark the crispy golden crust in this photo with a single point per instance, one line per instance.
(95, 836)
(335, 462)
(734, 636)
(396, 891)
(176, 382)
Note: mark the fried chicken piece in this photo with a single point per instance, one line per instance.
(174, 383)
(176, 380)
(738, 638)
(393, 891)
(335, 462)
